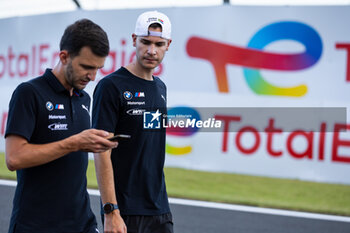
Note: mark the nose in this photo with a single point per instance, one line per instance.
(91, 75)
(151, 49)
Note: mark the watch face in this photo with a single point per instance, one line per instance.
(108, 207)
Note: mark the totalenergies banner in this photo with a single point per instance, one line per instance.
(225, 57)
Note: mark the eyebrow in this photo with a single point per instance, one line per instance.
(143, 40)
(90, 67)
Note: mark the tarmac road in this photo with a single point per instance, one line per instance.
(197, 217)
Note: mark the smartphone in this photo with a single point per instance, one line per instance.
(119, 137)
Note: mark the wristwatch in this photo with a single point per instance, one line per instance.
(109, 207)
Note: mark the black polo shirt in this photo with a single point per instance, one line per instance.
(119, 103)
(50, 197)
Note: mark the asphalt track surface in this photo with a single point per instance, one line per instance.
(203, 217)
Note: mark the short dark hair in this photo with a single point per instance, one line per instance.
(155, 26)
(83, 33)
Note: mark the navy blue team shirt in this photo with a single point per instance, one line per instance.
(51, 197)
(119, 101)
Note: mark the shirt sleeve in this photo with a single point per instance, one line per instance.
(105, 106)
(22, 112)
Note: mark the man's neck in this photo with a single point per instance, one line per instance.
(140, 72)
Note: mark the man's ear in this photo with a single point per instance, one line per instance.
(64, 55)
(169, 42)
(134, 37)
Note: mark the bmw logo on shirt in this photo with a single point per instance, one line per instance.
(49, 106)
(127, 95)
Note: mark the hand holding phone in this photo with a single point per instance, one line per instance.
(119, 137)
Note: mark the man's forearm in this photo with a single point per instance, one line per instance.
(105, 177)
(21, 154)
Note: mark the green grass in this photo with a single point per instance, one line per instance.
(259, 191)
(4, 172)
(243, 189)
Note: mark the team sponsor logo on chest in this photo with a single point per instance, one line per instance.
(128, 95)
(50, 106)
(59, 106)
(139, 94)
(136, 103)
(58, 126)
(135, 111)
(55, 117)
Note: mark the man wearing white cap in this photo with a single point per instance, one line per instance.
(131, 101)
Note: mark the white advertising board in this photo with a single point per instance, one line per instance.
(228, 57)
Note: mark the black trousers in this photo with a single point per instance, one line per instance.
(90, 229)
(148, 224)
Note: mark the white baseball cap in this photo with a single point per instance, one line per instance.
(149, 17)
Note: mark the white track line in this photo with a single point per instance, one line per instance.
(223, 206)
(8, 182)
(259, 210)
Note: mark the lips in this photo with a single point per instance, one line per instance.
(150, 59)
(84, 82)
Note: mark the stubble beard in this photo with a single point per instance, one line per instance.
(70, 76)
